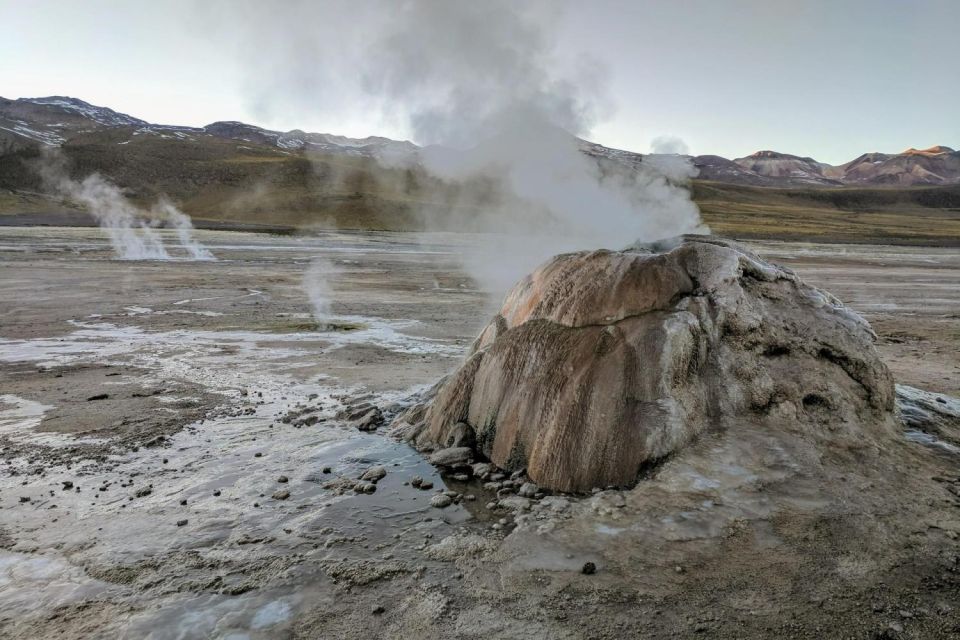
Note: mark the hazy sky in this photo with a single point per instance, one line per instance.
(828, 79)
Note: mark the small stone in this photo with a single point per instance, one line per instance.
(183, 502)
(377, 609)
(481, 469)
(373, 474)
(528, 490)
(24, 498)
(143, 492)
(678, 569)
(283, 479)
(327, 470)
(99, 396)
(281, 495)
(258, 455)
(441, 500)
(67, 484)
(588, 569)
(426, 485)
(181, 523)
(416, 481)
(451, 456)
(217, 492)
(365, 487)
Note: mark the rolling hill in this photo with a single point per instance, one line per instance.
(231, 173)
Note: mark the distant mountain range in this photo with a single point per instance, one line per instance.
(55, 120)
(934, 166)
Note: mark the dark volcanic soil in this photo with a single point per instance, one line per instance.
(159, 511)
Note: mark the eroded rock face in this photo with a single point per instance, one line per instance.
(602, 362)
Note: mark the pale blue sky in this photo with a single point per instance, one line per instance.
(826, 79)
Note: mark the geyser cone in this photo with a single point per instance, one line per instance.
(602, 362)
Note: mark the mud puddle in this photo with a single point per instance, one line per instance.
(224, 528)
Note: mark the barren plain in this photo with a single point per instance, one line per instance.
(172, 434)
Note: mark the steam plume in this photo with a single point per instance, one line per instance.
(319, 289)
(130, 230)
(669, 144)
(482, 86)
(184, 227)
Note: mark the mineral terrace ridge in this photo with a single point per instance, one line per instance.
(602, 363)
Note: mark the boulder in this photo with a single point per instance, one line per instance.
(602, 363)
(451, 456)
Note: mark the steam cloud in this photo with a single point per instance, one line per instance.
(130, 230)
(317, 284)
(482, 86)
(184, 228)
(669, 144)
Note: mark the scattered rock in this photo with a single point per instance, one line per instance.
(515, 503)
(181, 523)
(67, 484)
(365, 487)
(528, 490)
(281, 495)
(555, 503)
(441, 500)
(416, 481)
(482, 469)
(283, 479)
(377, 609)
(369, 421)
(99, 396)
(588, 569)
(143, 492)
(374, 474)
(451, 456)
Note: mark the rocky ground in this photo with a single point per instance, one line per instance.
(185, 453)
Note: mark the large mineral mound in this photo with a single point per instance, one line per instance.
(602, 363)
